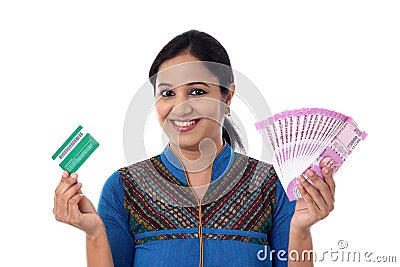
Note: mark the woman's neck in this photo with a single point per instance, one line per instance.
(199, 157)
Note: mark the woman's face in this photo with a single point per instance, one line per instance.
(189, 104)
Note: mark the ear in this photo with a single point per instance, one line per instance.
(230, 94)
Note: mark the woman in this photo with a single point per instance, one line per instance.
(198, 203)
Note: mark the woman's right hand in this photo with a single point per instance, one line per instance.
(74, 208)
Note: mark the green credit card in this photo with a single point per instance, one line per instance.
(75, 150)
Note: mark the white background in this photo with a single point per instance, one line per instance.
(80, 62)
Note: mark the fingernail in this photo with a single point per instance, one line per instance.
(309, 172)
(73, 175)
(302, 180)
(65, 174)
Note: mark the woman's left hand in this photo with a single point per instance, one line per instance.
(316, 202)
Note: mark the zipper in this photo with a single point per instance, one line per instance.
(200, 228)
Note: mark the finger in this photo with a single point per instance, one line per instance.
(74, 214)
(314, 194)
(65, 198)
(64, 176)
(323, 188)
(328, 174)
(86, 206)
(66, 182)
(314, 209)
(58, 192)
(308, 199)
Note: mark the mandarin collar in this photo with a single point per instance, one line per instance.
(220, 165)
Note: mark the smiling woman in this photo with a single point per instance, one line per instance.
(192, 111)
(195, 46)
(199, 202)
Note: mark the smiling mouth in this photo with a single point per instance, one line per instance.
(184, 126)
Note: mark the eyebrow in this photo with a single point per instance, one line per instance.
(165, 84)
(190, 84)
(201, 83)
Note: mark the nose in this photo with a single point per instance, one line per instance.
(182, 106)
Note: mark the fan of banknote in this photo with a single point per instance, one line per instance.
(308, 138)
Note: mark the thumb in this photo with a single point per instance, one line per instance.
(85, 205)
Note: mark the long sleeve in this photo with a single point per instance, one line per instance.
(279, 234)
(112, 212)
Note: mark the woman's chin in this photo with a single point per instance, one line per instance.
(185, 142)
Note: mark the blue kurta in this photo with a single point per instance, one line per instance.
(153, 218)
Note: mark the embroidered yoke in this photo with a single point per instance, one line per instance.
(153, 217)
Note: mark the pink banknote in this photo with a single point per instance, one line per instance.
(308, 138)
(333, 156)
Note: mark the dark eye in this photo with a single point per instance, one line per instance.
(197, 91)
(167, 93)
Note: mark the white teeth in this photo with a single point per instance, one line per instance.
(184, 123)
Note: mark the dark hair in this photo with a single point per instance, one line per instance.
(205, 48)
